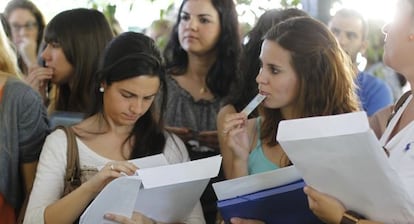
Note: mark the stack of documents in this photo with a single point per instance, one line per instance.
(165, 193)
(273, 197)
(341, 156)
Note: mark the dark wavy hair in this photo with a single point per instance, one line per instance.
(127, 56)
(325, 73)
(250, 62)
(224, 69)
(83, 35)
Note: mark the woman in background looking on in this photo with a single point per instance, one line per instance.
(27, 25)
(202, 57)
(26, 32)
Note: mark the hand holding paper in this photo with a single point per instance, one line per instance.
(173, 190)
(340, 155)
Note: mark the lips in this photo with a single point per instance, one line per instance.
(190, 37)
(131, 117)
(264, 93)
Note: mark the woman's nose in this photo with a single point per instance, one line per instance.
(45, 54)
(260, 78)
(192, 24)
(136, 107)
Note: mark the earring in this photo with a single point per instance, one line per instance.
(411, 37)
(101, 89)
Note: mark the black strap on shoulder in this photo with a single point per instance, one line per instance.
(399, 104)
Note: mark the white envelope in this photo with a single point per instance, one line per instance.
(341, 156)
(167, 193)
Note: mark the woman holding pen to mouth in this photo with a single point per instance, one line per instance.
(303, 73)
(250, 66)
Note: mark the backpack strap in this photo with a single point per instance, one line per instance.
(73, 174)
(399, 104)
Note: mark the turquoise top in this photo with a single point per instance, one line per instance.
(258, 162)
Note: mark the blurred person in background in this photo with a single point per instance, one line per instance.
(351, 31)
(26, 24)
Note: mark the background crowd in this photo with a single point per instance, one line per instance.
(178, 88)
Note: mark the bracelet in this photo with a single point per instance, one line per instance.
(351, 217)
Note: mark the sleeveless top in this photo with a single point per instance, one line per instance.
(257, 161)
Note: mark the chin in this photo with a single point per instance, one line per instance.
(270, 106)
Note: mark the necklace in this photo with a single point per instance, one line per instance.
(203, 90)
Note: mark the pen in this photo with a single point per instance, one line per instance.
(253, 104)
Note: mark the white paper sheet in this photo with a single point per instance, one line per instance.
(341, 156)
(180, 172)
(169, 195)
(170, 192)
(118, 197)
(256, 182)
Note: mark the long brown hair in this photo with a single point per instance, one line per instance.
(324, 71)
(83, 35)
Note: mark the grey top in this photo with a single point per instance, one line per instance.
(23, 129)
(183, 111)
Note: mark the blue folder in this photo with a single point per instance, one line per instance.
(285, 204)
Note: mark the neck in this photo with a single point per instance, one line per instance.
(198, 66)
(108, 125)
(287, 113)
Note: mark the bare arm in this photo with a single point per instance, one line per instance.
(225, 151)
(235, 142)
(79, 199)
(76, 201)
